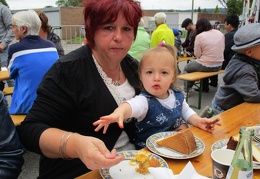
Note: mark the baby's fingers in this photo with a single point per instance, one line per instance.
(97, 123)
(99, 127)
(105, 129)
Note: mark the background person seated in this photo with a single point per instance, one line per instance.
(141, 42)
(208, 49)
(30, 58)
(11, 150)
(45, 32)
(162, 31)
(242, 74)
(188, 44)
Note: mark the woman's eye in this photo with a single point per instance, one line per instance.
(108, 27)
(127, 28)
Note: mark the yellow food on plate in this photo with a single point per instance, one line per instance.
(144, 160)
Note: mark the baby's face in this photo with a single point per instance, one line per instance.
(255, 52)
(157, 73)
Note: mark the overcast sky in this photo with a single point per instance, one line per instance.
(146, 4)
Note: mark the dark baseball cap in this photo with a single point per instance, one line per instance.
(186, 22)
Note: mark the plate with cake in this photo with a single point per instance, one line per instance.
(232, 142)
(175, 145)
(135, 165)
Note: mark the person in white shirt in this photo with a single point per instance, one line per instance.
(161, 105)
(208, 49)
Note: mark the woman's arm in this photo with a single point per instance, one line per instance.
(56, 143)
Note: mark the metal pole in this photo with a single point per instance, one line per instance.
(192, 9)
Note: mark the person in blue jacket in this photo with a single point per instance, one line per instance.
(29, 60)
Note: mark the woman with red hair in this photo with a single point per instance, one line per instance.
(82, 86)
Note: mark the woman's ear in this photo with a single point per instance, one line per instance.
(23, 29)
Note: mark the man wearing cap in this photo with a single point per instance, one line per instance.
(241, 77)
(188, 44)
(162, 32)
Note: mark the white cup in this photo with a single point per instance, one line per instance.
(221, 160)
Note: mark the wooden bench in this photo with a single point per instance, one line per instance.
(4, 75)
(18, 118)
(8, 91)
(183, 59)
(198, 76)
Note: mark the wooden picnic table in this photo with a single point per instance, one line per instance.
(245, 114)
(198, 76)
(182, 59)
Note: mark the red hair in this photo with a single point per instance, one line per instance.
(99, 12)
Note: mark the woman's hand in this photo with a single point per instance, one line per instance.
(94, 154)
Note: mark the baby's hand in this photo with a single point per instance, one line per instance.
(105, 121)
(209, 125)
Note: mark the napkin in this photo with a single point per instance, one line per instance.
(188, 172)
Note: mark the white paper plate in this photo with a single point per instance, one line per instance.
(165, 152)
(125, 171)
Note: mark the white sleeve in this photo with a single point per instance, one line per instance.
(139, 107)
(187, 111)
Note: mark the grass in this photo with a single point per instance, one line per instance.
(76, 40)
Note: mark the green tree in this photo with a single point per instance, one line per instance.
(216, 11)
(199, 10)
(205, 10)
(4, 3)
(66, 3)
(233, 6)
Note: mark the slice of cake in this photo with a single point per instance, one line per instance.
(232, 144)
(183, 142)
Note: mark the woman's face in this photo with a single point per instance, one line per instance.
(18, 31)
(113, 40)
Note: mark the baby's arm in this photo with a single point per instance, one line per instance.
(194, 119)
(203, 123)
(124, 111)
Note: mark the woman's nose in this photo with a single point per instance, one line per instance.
(117, 35)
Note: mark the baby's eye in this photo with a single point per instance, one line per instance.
(149, 72)
(164, 72)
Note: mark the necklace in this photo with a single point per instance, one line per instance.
(117, 82)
